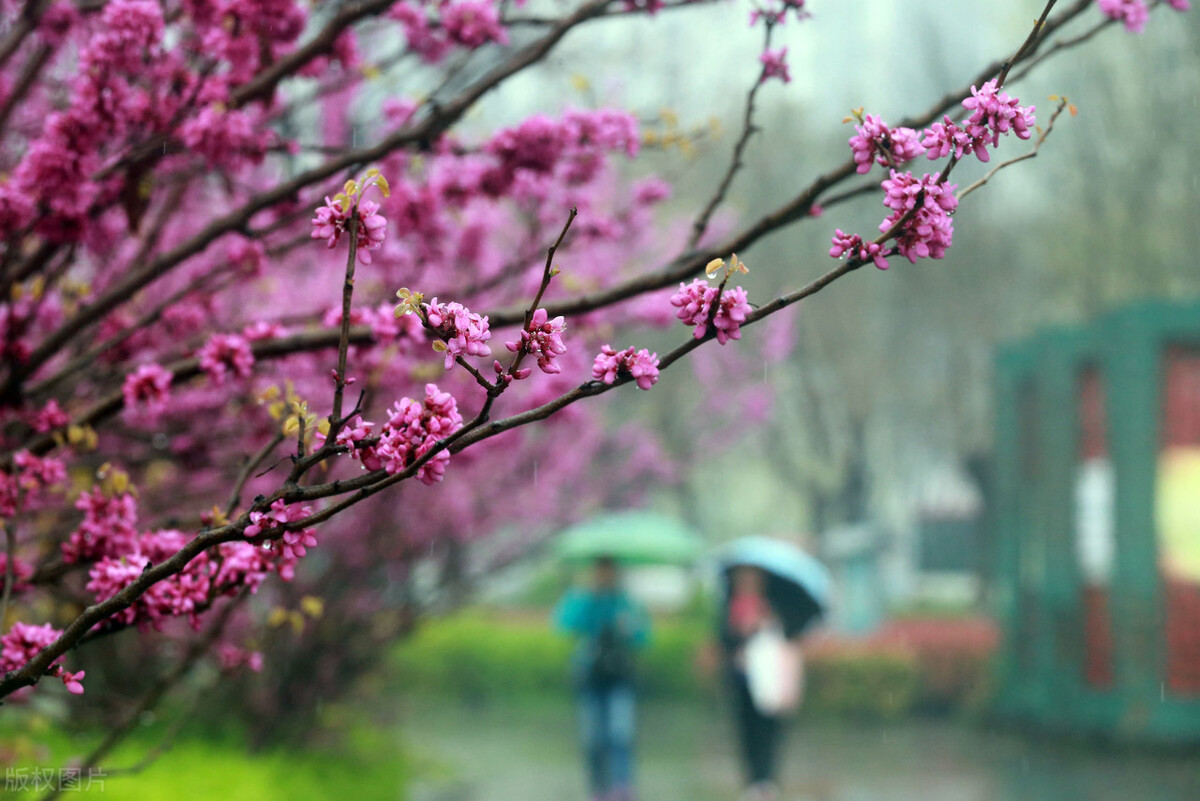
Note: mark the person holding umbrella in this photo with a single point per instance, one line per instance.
(609, 627)
(772, 592)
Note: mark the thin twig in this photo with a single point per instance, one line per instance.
(735, 163)
(335, 416)
(1028, 45)
(249, 467)
(1062, 104)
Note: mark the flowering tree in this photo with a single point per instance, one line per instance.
(241, 323)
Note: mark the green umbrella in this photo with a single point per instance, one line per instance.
(640, 538)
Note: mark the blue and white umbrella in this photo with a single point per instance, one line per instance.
(798, 586)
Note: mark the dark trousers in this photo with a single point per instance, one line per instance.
(758, 734)
(606, 729)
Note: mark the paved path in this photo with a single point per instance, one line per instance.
(509, 753)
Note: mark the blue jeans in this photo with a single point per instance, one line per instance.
(606, 729)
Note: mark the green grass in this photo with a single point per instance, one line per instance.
(369, 765)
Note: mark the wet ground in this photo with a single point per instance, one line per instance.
(527, 753)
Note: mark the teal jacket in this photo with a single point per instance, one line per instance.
(586, 613)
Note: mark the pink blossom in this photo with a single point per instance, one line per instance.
(946, 137)
(876, 143)
(30, 477)
(184, 594)
(241, 564)
(333, 220)
(230, 657)
(147, 389)
(1133, 13)
(543, 339)
(994, 113)
(263, 329)
(288, 545)
(22, 572)
(57, 21)
(17, 209)
(108, 527)
(224, 354)
(24, 641)
(463, 332)
(775, 65)
(930, 231)
(473, 23)
(50, 417)
(412, 430)
(651, 190)
(226, 137)
(429, 43)
(641, 366)
(694, 302)
(247, 254)
(854, 247)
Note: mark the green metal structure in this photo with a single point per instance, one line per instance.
(1100, 609)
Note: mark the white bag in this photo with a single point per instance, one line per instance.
(774, 672)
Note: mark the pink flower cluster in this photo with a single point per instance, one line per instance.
(49, 417)
(224, 354)
(147, 389)
(23, 642)
(230, 657)
(54, 176)
(695, 300)
(108, 528)
(220, 572)
(290, 546)
(541, 144)
(774, 63)
(463, 332)
(226, 137)
(412, 430)
(465, 23)
(930, 231)
(993, 113)
(852, 246)
(543, 339)
(22, 572)
(876, 143)
(333, 220)
(1134, 13)
(31, 476)
(641, 366)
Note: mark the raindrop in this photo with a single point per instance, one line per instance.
(1162, 692)
(535, 476)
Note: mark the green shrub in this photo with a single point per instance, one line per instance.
(477, 656)
(480, 656)
(861, 684)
